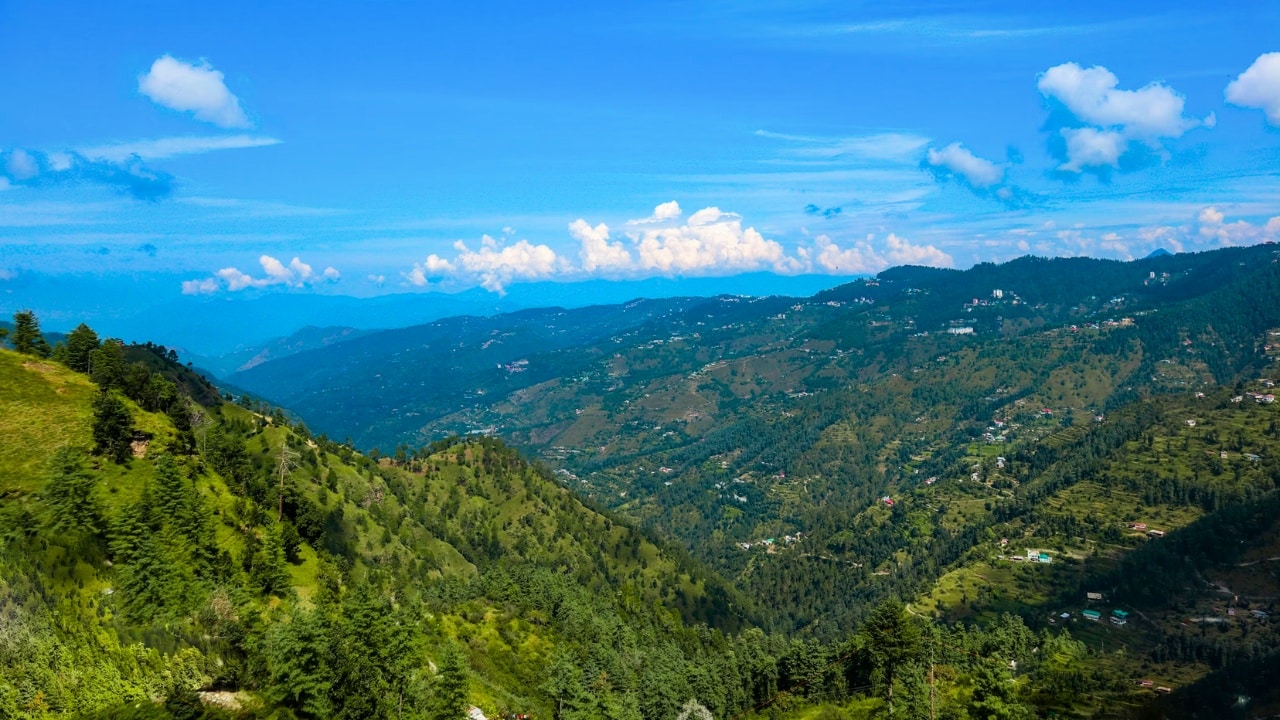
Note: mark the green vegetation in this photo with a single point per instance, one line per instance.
(1055, 515)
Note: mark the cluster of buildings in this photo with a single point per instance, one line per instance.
(769, 543)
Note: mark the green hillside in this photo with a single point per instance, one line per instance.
(129, 581)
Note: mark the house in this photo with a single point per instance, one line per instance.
(1044, 558)
(1145, 683)
(1093, 615)
(1238, 398)
(1033, 556)
(1137, 526)
(1260, 614)
(888, 501)
(1155, 533)
(474, 713)
(1163, 689)
(1251, 457)
(1093, 596)
(1268, 398)
(1119, 618)
(1191, 423)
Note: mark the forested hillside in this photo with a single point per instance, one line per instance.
(832, 507)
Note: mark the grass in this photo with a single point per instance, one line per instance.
(43, 406)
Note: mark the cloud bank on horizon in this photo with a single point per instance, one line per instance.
(218, 153)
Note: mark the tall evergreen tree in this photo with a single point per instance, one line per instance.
(449, 689)
(69, 494)
(27, 338)
(112, 427)
(106, 363)
(892, 640)
(79, 348)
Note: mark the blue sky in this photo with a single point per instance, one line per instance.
(235, 149)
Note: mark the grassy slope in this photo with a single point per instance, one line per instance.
(473, 505)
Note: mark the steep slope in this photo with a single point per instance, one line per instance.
(171, 572)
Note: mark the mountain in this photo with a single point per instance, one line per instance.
(307, 338)
(162, 555)
(875, 439)
(192, 562)
(1158, 252)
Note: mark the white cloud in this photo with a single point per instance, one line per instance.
(885, 147)
(1113, 117)
(710, 241)
(164, 148)
(956, 158)
(207, 286)
(22, 165)
(662, 213)
(1091, 147)
(194, 88)
(1092, 94)
(864, 257)
(295, 275)
(1210, 230)
(1259, 87)
(597, 253)
(494, 265)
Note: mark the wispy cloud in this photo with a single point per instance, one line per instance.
(884, 146)
(165, 148)
(31, 168)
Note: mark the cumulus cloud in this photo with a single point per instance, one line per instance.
(296, 274)
(710, 241)
(130, 175)
(960, 161)
(865, 257)
(494, 265)
(1259, 87)
(1090, 147)
(1210, 229)
(1113, 117)
(662, 213)
(192, 87)
(596, 252)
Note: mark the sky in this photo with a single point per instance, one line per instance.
(160, 151)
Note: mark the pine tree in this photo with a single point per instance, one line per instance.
(79, 347)
(270, 572)
(112, 427)
(298, 659)
(69, 494)
(106, 364)
(449, 688)
(27, 338)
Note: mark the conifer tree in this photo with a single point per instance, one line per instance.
(112, 427)
(27, 338)
(79, 347)
(69, 494)
(449, 688)
(106, 364)
(270, 572)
